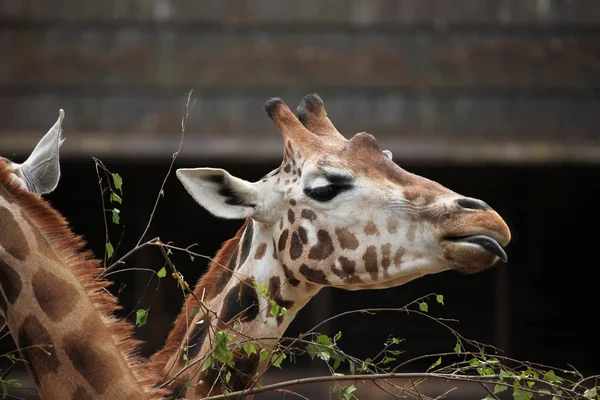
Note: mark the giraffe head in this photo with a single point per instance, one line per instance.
(342, 213)
(40, 173)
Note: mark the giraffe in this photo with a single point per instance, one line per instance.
(336, 213)
(51, 297)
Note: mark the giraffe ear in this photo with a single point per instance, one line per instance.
(221, 193)
(41, 171)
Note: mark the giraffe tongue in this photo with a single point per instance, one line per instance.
(488, 244)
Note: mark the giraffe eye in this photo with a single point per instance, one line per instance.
(325, 193)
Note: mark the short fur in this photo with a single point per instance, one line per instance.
(71, 251)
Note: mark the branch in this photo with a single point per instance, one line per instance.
(372, 377)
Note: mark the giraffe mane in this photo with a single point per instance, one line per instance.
(203, 290)
(71, 250)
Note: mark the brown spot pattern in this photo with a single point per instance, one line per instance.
(283, 239)
(323, 248)
(292, 202)
(11, 236)
(348, 270)
(371, 228)
(196, 338)
(291, 216)
(226, 274)
(56, 296)
(246, 242)
(392, 225)
(260, 251)
(370, 259)
(398, 256)
(96, 366)
(346, 238)
(290, 276)
(308, 214)
(32, 337)
(241, 301)
(386, 251)
(245, 370)
(275, 295)
(302, 234)
(295, 246)
(274, 250)
(287, 168)
(10, 282)
(313, 275)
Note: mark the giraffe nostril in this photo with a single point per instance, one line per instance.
(473, 204)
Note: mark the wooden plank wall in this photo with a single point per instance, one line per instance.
(434, 80)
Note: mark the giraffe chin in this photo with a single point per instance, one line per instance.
(472, 254)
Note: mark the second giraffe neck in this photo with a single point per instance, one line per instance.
(241, 291)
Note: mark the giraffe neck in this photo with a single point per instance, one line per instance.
(234, 289)
(57, 310)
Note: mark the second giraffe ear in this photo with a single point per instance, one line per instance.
(221, 193)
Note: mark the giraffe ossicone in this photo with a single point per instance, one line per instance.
(337, 212)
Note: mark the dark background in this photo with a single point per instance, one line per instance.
(495, 99)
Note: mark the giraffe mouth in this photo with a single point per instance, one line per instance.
(486, 243)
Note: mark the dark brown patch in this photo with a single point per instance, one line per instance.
(56, 296)
(292, 202)
(299, 172)
(386, 251)
(294, 180)
(241, 301)
(370, 259)
(196, 338)
(291, 216)
(245, 370)
(275, 294)
(283, 239)
(32, 338)
(346, 238)
(43, 245)
(295, 246)
(371, 228)
(323, 248)
(308, 214)
(90, 360)
(81, 394)
(260, 251)
(398, 256)
(274, 250)
(348, 270)
(313, 275)
(225, 276)
(246, 242)
(12, 237)
(280, 222)
(392, 225)
(302, 234)
(290, 276)
(10, 282)
(287, 168)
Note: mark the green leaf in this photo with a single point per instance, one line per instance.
(191, 257)
(435, 364)
(388, 360)
(109, 249)
(188, 384)
(519, 394)
(457, 348)
(274, 308)
(551, 377)
(283, 312)
(162, 272)
(4, 389)
(141, 317)
(116, 219)
(352, 367)
(423, 307)
(249, 348)
(500, 388)
(194, 311)
(227, 376)
(337, 336)
(590, 393)
(503, 374)
(277, 359)
(118, 182)
(115, 197)
(546, 392)
(312, 351)
(263, 354)
(440, 299)
(324, 340)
